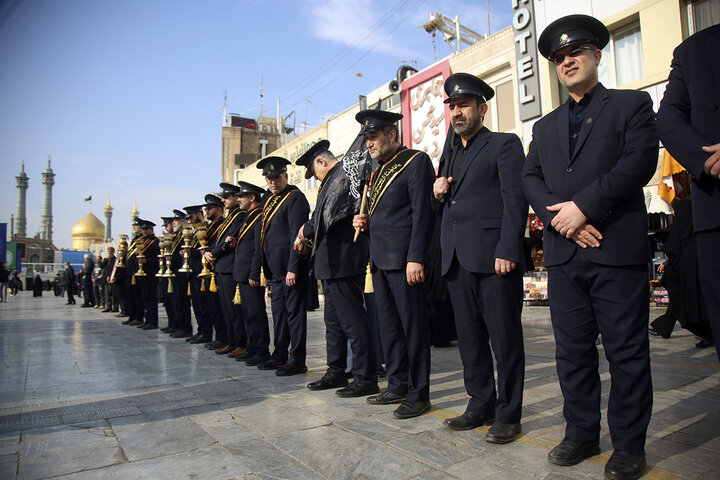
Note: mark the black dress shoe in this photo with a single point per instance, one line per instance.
(468, 421)
(256, 360)
(200, 339)
(625, 465)
(355, 390)
(502, 433)
(84, 305)
(150, 326)
(143, 325)
(411, 409)
(243, 357)
(288, 370)
(270, 364)
(387, 398)
(180, 334)
(328, 381)
(570, 452)
(190, 339)
(168, 330)
(106, 310)
(214, 345)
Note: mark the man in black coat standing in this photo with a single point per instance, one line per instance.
(400, 222)
(340, 264)
(88, 269)
(483, 258)
(148, 252)
(69, 280)
(246, 272)
(284, 212)
(221, 255)
(688, 123)
(584, 176)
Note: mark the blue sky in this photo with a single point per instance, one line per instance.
(126, 96)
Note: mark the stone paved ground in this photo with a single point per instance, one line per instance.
(82, 397)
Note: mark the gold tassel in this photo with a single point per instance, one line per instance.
(170, 287)
(236, 299)
(213, 284)
(368, 280)
(263, 280)
(189, 292)
(133, 282)
(202, 285)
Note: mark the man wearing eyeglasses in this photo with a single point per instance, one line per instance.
(584, 176)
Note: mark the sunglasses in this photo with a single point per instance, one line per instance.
(559, 58)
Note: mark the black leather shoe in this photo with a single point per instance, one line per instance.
(243, 357)
(270, 364)
(257, 360)
(355, 390)
(150, 326)
(168, 330)
(387, 398)
(214, 345)
(468, 421)
(570, 452)
(106, 310)
(328, 381)
(288, 370)
(180, 334)
(502, 433)
(200, 339)
(144, 324)
(625, 465)
(194, 337)
(411, 409)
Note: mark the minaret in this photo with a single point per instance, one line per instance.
(46, 219)
(108, 217)
(21, 182)
(134, 214)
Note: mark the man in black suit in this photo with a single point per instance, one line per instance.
(483, 258)
(284, 212)
(199, 302)
(69, 280)
(584, 176)
(400, 221)
(688, 123)
(182, 328)
(147, 255)
(221, 255)
(340, 264)
(246, 272)
(134, 302)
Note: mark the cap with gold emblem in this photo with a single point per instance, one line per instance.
(246, 188)
(273, 166)
(166, 220)
(571, 30)
(306, 159)
(179, 214)
(466, 85)
(193, 209)
(147, 224)
(376, 119)
(213, 200)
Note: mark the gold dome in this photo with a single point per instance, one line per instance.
(89, 227)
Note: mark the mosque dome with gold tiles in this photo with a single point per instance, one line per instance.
(87, 231)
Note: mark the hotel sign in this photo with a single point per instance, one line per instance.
(526, 55)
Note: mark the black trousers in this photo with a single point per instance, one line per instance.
(254, 313)
(182, 302)
(149, 291)
(289, 320)
(135, 307)
(346, 319)
(89, 295)
(231, 316)
(487, 311)
(169, 303)
(200, 307)
(587, 299)
(404, 333)
(213, 303)
(70, 298)
(708, 244)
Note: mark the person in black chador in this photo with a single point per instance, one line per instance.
(339, 263)
(37, 286)
(680, 278)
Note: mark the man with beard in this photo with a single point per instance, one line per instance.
(340, 264)
(586, 167)
(109, 291)
(400, 222)
(147, 254)
(284, 212)
(133, 295)
(483, 258)
(246, 272)
(221, 256)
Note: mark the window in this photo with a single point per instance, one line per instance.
(701, 14)
(622, 57)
